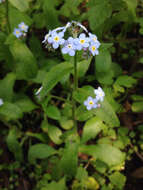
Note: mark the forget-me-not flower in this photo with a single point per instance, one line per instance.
(99, 94)
(82, 41)
(56, 39)
(93, 48)
(17, 32)
(69, 47)
(23, 27)
(91, 103)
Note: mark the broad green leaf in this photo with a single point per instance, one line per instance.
(91, 129)
(22, 5)
(107, 114)
(118, 180)
(14, 145)
(96, 15)
(26, 66)
(53, 112)
(54, 76)
(104, 152)
(82, 114)
(137, 106)
(136, 97)
(70, 159)
(25, 104)
(40, 151)
(125, 81)
(10, 111)
(54, 134)
(66, 123)
(6, 87)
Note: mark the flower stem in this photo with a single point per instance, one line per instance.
(74, 89)
(7, 16)
(59, 98)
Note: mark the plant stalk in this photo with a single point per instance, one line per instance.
(74, 89)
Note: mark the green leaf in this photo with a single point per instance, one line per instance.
(118, 180)
(40, 151)
(54, 76)
(104, 152)
(66, 123)
(107, 114)
(14, 145)
(10, 111)
(40, 136)
(96, 15)
(132, 4)
(54, 134)
(125, 81)
(82, 67)
(91, 129)
(22, 5)
(60, 185)
(70, 159)
(25, 62)
(6, 87)
(137, 106)
(136, 97)
(25, 104)
(53, 112)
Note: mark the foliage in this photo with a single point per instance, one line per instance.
(40, 104)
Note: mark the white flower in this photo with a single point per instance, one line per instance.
(99, 94)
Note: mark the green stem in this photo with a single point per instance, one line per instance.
(74, 89)
(59, 98)
(7, 16)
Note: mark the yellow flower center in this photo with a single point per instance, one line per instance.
(69, 46)
(91, 102)
(17, 32)
(56, 38)
(93, 48)
(82, 41)
(23, 27)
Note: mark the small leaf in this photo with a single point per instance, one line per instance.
(10, 111)
(54, 76)
(126, 81)
(40, 151)
(104, 152)
(22, 5)
(118, 180)
(53, 112)
(91, 129)
(14, 145)
(137, 106)
(54, 134)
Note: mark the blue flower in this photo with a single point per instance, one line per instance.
(93, 48)
(17, 32)
(56, 39)
(23, 27)
(69, 47)
(99, 94)
(93, 38)
(91, 103)
(82, 41)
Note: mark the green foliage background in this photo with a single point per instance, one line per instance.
(38, 145)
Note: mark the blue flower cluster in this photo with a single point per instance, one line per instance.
(84, 41)
(91, 103)
(21, 30)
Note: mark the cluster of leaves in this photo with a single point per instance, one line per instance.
(37, 135)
